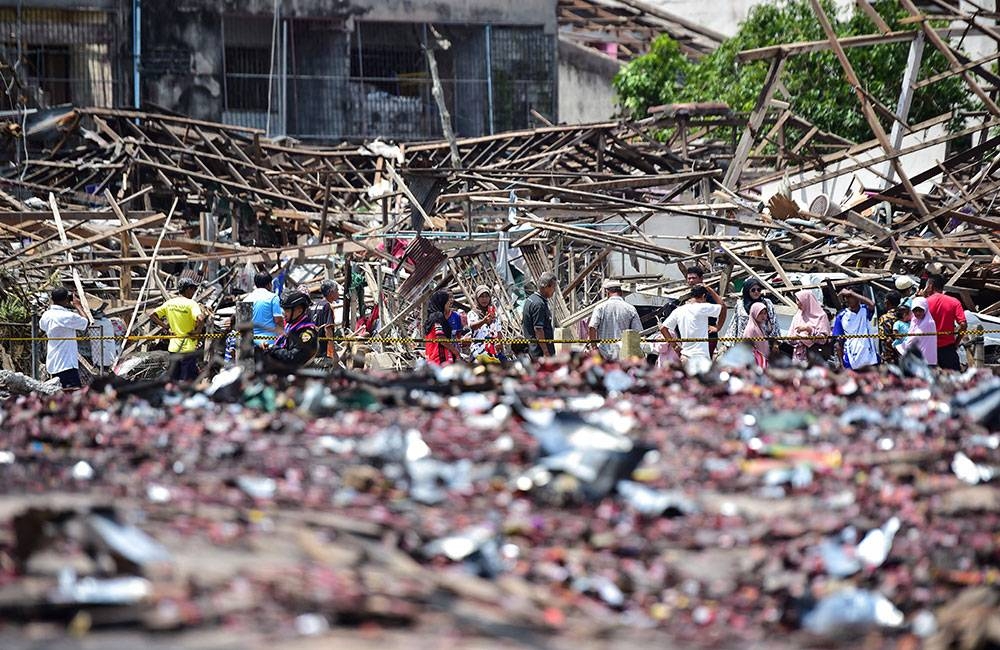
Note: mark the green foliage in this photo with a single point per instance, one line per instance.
(660, 73)
(819, 90)
(13, 310)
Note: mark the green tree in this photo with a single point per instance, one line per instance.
(819, 90)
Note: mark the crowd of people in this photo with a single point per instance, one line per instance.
(855, 335)
(291, 329)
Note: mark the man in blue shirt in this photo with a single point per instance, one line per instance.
(268, 320)
(856, 341)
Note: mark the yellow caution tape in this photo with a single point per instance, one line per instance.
(514, 341)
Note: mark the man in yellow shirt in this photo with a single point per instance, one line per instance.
(183, 317)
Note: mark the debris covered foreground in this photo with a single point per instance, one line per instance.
(580, 501)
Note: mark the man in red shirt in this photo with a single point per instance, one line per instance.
(949, 317)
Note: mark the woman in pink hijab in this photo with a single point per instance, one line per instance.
(922, 325)
(809, 320)
(755, 332)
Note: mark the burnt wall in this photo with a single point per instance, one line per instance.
(181, 60)
(496, 12)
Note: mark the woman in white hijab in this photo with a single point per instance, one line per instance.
(923, 332)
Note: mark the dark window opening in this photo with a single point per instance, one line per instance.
(247, 70)
(48, 66)
(389, 57)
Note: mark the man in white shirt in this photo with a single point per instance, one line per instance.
(610, 318)
(61, 322)
(690, 321)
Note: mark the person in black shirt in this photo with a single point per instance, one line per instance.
(324, 316)
(536, 318)
(300, 341)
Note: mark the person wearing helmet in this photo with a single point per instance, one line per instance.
(300, 341)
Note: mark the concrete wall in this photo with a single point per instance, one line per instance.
(841, 188)
(182, 44)
(723, 16)
(661, 224)
(182, 58)
(61, 4)
(585, 90)
(496, 12)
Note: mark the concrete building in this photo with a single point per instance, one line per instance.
(598, 37)
(56, 52)
(723, 17)
(331, 70)
(317, 70)
(322, 70)
(586, 93)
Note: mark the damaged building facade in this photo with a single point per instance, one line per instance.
(315, 70)
(60, 52)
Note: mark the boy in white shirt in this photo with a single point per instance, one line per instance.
(690, 321)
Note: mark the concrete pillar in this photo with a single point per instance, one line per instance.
(560, 334)
(632, 345)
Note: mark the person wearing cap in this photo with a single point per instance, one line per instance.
(486, 327)
(611, 317)
(182, 316)
(299, 341)
(267, 315)
(907, 289)
(60, 322)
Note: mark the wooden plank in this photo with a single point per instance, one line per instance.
(84, 304)
(754, 123)
(114, 232)
(124, 221)
(151, 270)
(777, 265)
(960, 272)
(873, 15)
(30, 216)
(953, 62)
(791, 49)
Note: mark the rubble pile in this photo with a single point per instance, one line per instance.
(562, 501)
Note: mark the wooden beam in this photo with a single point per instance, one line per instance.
(953, 61)
(874, 16)
(151, 270)
(754, 123)
(736, 258)
(84, 304)
(866, 108)
(777, 265)
(775, 51)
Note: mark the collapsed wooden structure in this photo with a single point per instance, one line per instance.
(123, 201)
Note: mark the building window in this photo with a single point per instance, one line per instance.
(247, 71)
(389, 83)
(48, 66)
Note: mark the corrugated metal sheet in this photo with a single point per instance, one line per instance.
(426, 259)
